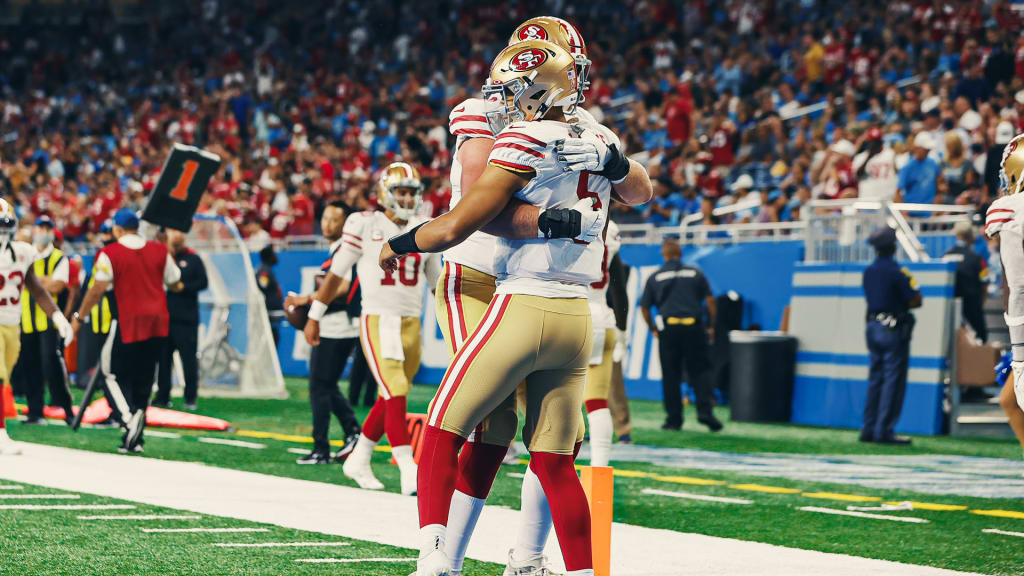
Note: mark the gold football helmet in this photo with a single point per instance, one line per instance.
(527, 80)
(564, 34)
(395, 177)
(1011, 168)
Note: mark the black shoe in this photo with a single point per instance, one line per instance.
(897, 440)
(165, 404)
(625, 439)
(350, 443)
(866, 438)
(125, 449)
(314, 457)
(711, 422)
(667, 426)
(35, 421)
(975, 395)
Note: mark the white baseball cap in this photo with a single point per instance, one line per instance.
(924, 140)
(970, 121)
(1019, 97)
(1004, 133)
(844, 147)
(744, 182)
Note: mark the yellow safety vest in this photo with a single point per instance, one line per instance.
(33, 319)
(99, 316)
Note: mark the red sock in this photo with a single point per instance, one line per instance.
(479, 463)
(571, 517)
(436, 476)
(394, 423)
(373, 426)
(592, 405)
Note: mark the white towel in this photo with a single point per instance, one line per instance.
(390, 330)
(597, 352)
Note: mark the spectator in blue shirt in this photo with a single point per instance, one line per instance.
(918, 177)
(383, 142)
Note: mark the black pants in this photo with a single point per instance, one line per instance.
(135, 367)
(184, 338)
(974, 315)
(89, 346)
(42, 361)
(887, 380)
(326, 362)
(359, 379)
(678, 344)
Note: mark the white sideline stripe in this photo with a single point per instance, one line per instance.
(390, 518)
(67, 507)
(278, 544)
(210, 530)
(691, 496)
(40, 496)
(12, 487)
(159, 434)
(1003, 532)
(235, 443)
(352, 560)
(143, 517)
(864, 515)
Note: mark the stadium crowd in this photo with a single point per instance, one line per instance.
(746, 101)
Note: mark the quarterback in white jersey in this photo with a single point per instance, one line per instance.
(537, 327)
(1005, 219)
(390, 321)
(16, 259)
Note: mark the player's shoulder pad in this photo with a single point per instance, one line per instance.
(587, 120)
(469, 119)
(1005, 212)
(522, 146)
(354, 225)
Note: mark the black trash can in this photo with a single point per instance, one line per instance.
(761, 380)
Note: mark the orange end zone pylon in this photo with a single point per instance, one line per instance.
(599, 484)
(417, 424)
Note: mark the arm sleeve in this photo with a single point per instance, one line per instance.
(1012, 254)
(617, 291)
(61, 272)
(907, 285)
(102, 269)
(171, 271)
(469, 120)
(516, 150)
(705, 288)
(351, 246)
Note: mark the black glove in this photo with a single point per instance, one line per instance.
(616, 167)
(560, 223)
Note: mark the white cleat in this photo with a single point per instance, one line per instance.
(408, 476)
(435, 563)
(362, 475)
(533, 567)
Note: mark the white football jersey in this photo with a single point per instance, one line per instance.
(557, 268)
(469, 120)
(14, 265)
(1005, 214)
(602, 314)
(880, 175)
(399, 292)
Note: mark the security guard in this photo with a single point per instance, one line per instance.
(680, 292)
(271, 290)
(42, 349)
(971, 275)
(891, 293)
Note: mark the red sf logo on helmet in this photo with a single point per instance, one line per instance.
(533, 32)
(527, 59)
(1011, 147)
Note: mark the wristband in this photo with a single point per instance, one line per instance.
(317, 309)
(616, 167)
(406, 242)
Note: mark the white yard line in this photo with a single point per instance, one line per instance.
(1003, 532)
(235, 443)
(691, 496)
(353, 560)
(302, 451)
(280, 544)
(389, 518)
(12, 487)
(197, 530)
(67, 507)
(143, 517)
(40, 496)
(161, 434)
(909, 519)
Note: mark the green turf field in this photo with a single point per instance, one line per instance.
(58, 542)
(951, 538)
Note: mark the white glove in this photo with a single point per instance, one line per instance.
(593, 220)
(60, 323)
(1018, 382)
(619, 354)
(585, 153)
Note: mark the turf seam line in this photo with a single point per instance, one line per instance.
(67, 507)
(40, 496)
(142, 517)
(12, 487)
(235, 443)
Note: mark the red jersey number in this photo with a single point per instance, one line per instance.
(408, 271)
(18, 278)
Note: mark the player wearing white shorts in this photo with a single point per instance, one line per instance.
(390, 321)
(16, 259)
